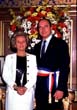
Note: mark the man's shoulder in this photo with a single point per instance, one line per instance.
(59, 40)
(38, 43)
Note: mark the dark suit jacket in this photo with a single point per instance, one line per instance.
(55, 58)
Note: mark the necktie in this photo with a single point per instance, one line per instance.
(43, 48)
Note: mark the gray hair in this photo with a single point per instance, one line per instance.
(13, 39)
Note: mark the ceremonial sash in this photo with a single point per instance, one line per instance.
(53, 78)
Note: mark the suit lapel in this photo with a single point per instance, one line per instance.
(50, 45)
(14, 62)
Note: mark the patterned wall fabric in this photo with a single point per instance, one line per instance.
(18, 3)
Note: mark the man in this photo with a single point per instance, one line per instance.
(55, 58)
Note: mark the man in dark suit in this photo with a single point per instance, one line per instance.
(53, 58)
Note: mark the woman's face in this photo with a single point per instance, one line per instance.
(21, 43)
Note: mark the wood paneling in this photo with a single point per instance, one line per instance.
(73, 106)
(73, 15)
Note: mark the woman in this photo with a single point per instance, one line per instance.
(19, 73)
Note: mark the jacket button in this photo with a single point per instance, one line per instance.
(28, 66)
(27, 73)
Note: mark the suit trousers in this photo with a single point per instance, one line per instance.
(42, 93)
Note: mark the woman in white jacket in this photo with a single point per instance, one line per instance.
(20, 74)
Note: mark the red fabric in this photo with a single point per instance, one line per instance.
(43, 74)
(52, 82)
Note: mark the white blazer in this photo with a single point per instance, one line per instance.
(14, 101)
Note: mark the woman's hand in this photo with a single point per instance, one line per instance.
(21, 90)
(15, 87)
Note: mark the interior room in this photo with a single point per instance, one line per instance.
(10, 9)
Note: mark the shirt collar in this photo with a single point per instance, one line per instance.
(48, 38)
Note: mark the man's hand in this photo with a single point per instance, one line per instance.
(58, 94)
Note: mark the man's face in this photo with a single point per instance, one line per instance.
(44, 29)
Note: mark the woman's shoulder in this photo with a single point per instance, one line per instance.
(10, 55)
(30, 55)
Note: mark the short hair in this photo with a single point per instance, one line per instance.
(45, 20)
(40, 21)
(19, 33)
(13, 39)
